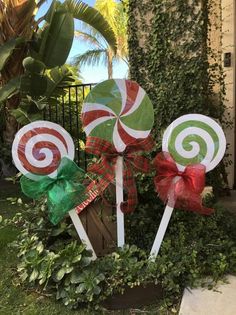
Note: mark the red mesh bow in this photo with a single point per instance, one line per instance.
(180, 189)
(132, 161)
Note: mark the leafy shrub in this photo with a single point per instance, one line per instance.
(195, 247)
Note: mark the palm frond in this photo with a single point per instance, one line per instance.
(109, 9)
(89, 38)
(92, 17)
(91, 57)
(40, 3)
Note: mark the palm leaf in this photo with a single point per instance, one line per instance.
(9, 89)
(59, 78)
(24, 118)
(7, 49)
(57, 39)
(88, 38)
(91, 57)
(108, 8)
(92, 17)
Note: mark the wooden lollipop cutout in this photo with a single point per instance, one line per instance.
(190, 140)
(37, 150)
(120, 112)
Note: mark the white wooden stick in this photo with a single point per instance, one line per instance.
(119, 200)
(161, 232)
(81, 232)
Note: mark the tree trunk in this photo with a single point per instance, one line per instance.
(12, 70)
(16, 20)
(110, 65)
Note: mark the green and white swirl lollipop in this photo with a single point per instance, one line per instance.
(190, 139)
(193, 139)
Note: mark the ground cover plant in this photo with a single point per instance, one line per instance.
(51, 261)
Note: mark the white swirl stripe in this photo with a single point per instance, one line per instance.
(88, 107)
(138, 101)
(95, 123)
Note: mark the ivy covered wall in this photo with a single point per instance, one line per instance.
(170, 54)
(175, 55)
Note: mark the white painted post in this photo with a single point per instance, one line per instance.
(161, 232)
(119, 200)
(81, 232)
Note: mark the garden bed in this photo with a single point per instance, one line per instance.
(195, 246)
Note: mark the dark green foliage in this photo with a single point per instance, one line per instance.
(169, 55)
(194, 248)
(172, 63)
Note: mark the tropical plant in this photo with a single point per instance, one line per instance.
(27, 50)
(101, 51)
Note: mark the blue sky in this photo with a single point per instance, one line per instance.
(90, 74)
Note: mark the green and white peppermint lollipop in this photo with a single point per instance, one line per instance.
(190, 139)
(193, 139)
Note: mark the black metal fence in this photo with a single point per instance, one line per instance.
(65, 111)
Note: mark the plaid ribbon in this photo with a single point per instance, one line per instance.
(133, 161)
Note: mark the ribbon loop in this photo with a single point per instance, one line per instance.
(180, 189)
(132, 162)
(63, 192)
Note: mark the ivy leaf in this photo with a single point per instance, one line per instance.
(96, 290)
(101, 277)
(40, 247)
(68, 269)
(58, 231)
(76, 277)
(76, 258)
(60, 274)
(86, 261)
(34, 275)
(81, 288)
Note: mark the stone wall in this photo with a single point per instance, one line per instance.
(228, 45)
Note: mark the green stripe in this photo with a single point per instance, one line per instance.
(104, 130)
(142, 118)
(106, 93)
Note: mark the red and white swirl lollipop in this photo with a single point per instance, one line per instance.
(39, 146)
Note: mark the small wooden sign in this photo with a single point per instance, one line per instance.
(93, 190)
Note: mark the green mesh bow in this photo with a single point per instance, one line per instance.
(63, 192)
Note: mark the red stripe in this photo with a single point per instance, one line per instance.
(41, 130)
(90, 116)
(132, 89)
(40, 156)
(124, 135)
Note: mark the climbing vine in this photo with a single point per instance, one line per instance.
(169, 57)
(172, 58)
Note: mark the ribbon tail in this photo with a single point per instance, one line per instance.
(205, 211)
(63, 197)
(131, 189)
